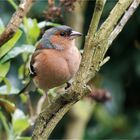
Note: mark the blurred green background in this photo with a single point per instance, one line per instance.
(118, 118)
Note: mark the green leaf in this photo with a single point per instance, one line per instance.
(10, 44)
(19, 121)
(1, 26)
(4, 122)
(13, 4)
(13, 90)
(9, 106)
(31, 29)
(16, 51)
(4, 68)
(7, 86)
(21, 71)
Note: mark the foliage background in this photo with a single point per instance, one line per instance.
(117, 118)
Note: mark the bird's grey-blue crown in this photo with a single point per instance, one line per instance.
(45, 41)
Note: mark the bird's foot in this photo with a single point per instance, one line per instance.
(49, 98)
(65, 98)
(68, 85)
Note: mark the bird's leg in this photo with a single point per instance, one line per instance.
(29, 103)
(40, 104)
(43, 101)
(48, 98)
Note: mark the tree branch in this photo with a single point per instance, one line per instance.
(124, 20)
(100, 44)
(15, 21)
(88, 49)
(96, 46)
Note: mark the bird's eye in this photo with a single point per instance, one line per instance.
(63, 34)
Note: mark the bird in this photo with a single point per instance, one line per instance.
(55, 60)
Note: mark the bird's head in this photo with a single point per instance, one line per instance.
(59, 37)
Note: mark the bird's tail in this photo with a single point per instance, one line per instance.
(29, 87)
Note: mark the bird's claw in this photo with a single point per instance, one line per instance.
(68, 85)
(66, 97)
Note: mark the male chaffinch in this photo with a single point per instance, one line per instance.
(56, 58)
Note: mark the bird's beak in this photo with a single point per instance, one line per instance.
(75, 34)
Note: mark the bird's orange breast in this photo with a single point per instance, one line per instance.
(54, 68)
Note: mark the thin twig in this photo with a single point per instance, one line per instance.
(124, 20)
(100, 43)
(15, 21)
(88, 49)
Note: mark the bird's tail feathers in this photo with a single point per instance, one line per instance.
(29, 87)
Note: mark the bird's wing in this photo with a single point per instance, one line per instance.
(30, 85)
(31, 68)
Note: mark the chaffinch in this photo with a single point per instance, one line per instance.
(56, 58)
